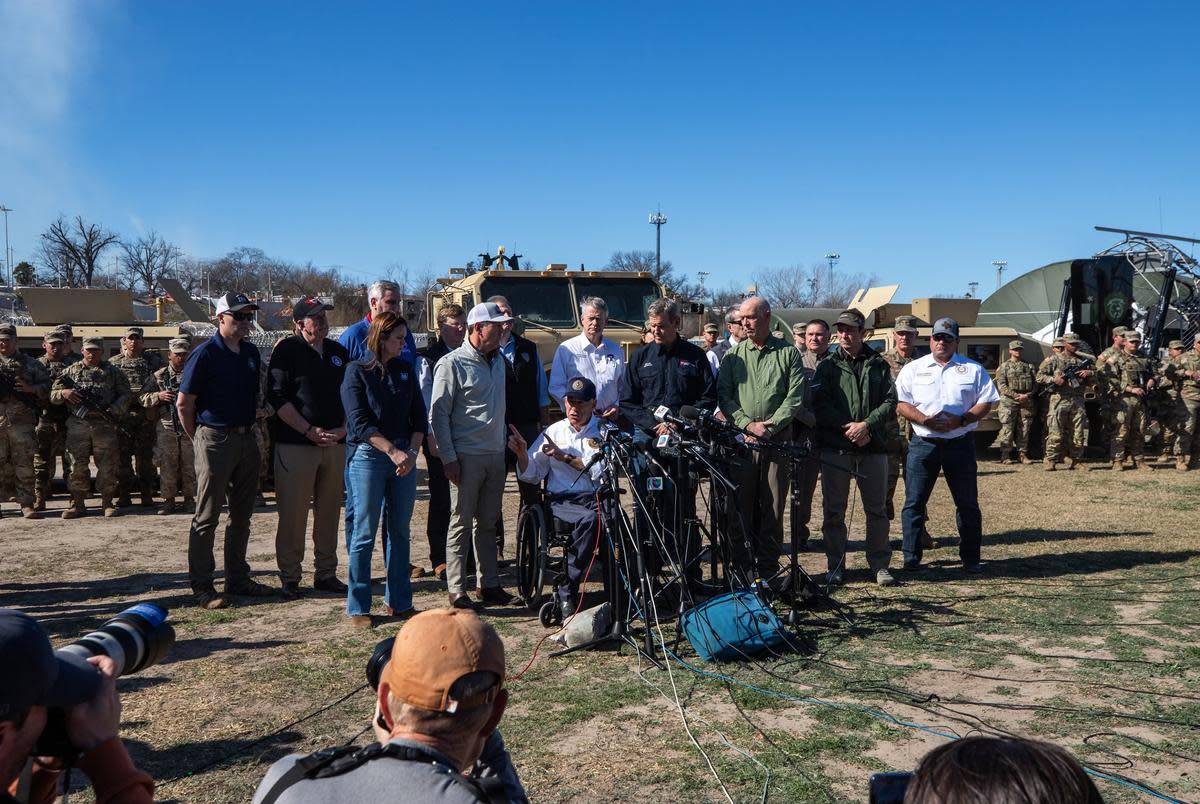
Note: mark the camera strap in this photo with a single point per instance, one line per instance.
(337, 761)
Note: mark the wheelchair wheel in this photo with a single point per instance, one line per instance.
(550, 615)
(531, 556)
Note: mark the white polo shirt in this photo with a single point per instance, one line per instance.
(561, 478)
(956, 387)
(603, 365)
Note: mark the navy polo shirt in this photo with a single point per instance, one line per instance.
(225, 382)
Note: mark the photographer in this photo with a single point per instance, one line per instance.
(33, 678)
(440, 697)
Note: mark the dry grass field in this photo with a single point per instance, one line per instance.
(1083, 631)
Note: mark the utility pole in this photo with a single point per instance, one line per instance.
(7, 250)
(1000, 266)
(657, 219)
(833, 260)
(702, 275)
(974, 286)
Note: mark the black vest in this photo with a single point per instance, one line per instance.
(434, 353)
(521, 383)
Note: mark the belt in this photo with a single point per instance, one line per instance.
(962, 437)
(242, 429)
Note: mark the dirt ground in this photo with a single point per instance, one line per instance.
(1082, 631)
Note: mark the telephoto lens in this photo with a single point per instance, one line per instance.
(379, 659)
(135, 639)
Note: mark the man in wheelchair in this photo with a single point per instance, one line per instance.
(559, 456)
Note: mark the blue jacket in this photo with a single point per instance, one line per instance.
(390, 406)
(354, 338)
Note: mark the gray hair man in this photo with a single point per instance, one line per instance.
(593, 356)
(383, 294)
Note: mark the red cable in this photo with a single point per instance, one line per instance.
(586, 576)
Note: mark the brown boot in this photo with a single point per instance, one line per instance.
(1181, 463)
(76, 509)
(1005, 456)
(168, 507)
(39, 502)
(1140, 464)
(1074, 463)
(28, 512)
(111, 509)
(1025, 459)
(1049, 462)
(1118, 465)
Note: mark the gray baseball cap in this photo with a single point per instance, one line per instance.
(946, 326)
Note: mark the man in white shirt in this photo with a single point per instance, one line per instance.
(559, 456)
(593, 356)
(944, 395)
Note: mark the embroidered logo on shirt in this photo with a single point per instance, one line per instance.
(404, 376)
(335, 360)
(593, 443)
(961, 369)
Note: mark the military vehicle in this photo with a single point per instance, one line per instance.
(90, 312)
(547, 302)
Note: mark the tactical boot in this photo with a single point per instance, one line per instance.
(1075, 463)
(123, 502)
(1141, 465)
(39, 502)
(189, 505)
(1025, 459)
(28, 512)
(168, 507)
(1049, 464)
(1181, 463)
(76, 509)
(1005, 456)
(111, 508)
(1118, 465)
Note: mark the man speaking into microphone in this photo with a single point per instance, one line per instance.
(668, 372)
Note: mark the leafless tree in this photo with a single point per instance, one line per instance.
(644, 261)
(796, 286)
(147, 260)
(71, 251)
(784, 287)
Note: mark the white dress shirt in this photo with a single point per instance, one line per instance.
(603, 365)
(955, 388)
(713, 361)
(425, 380)
(581, 444)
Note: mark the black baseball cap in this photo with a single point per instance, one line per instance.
(309, 306)
(34, 674)
(582, 389)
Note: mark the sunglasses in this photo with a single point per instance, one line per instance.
(942, 337)
(242, 316)
(737, 321)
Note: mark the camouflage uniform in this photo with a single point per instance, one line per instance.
(140, 424)
(1129, 371)
(1108, 394)
(1187, 449)
(18, 421)
(51, 438)
(1066, 418)
(89, 435)
(1170, 380)
(173, 451)
(1015, 377)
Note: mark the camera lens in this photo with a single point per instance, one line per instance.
(379, 659)
(135, 639)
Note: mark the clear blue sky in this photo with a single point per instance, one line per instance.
(920, 141)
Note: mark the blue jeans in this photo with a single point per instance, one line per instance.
(373, 488)
(955, 458)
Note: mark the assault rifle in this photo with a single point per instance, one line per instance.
(8, 388)
(92, 403)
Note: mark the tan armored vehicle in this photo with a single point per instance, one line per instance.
(547, 302)
(90, 312)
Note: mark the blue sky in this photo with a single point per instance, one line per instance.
(921, 141)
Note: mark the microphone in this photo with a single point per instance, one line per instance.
(663, 414)
(701, 415)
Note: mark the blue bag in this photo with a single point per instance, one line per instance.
(730, 626)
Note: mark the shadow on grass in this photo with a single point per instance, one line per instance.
(1034, 535)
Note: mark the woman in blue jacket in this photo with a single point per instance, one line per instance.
(386, 423)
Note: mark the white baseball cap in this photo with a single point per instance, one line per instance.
(487, 313)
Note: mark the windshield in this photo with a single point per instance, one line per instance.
(544, 300)
(627, 298)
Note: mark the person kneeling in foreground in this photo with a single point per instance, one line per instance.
(1000, 770)
(440, 697)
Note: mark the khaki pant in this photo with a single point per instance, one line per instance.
(761, 496)
(52, 442)
(474, 511)
(226, 466)
(1015, 424)
(176, 460)
(18, 443)
(308, 476)
(96, 439)
(139, 448)
(1130, 438)
(1066, 427)
(835, 493)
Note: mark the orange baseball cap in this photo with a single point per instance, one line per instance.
(435, 649)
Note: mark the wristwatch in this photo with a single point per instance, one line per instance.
(412, 451)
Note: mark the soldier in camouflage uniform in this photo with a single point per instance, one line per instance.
(1187, 449)
(1108, 395)
(1170, 380)
(1043, 391)
(24, 386)
(1016, 381)
(138, 365)
(1133, 378)
(173, 452)
(89, 434)
(905, 330)
(52, 425)
(1066, 417)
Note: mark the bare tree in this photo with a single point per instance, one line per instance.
(644, 261)
(796, 286)
(147, 260)
(784, 287)
(71, 251)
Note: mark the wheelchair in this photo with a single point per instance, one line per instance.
(542, 543)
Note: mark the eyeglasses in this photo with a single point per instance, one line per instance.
(738, 322)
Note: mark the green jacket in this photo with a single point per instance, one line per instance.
(764, 384)
(840, 397)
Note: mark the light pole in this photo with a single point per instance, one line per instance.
(1000, 266)
(657, 219)
(833, 260)
(702, 275)
(7, 250)
(974, 286)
